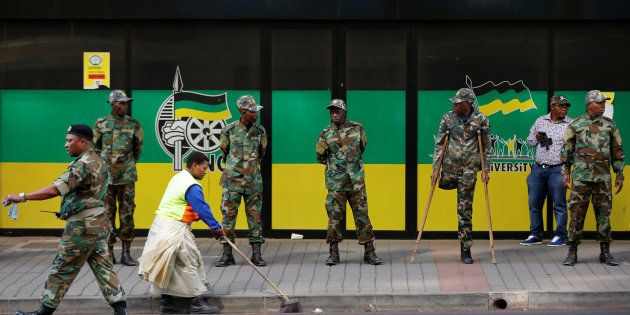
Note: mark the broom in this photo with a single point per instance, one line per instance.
(288, 305)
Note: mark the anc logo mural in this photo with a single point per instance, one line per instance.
(504, 103)
(188, 120)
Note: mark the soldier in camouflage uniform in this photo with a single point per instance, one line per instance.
(340, 147)
(461, 160)
(118, 139)
(592, 145)
(243, 145)
(82, 188)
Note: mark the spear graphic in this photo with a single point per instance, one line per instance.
(178, 85)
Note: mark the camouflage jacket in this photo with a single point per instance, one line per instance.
(591, 146)
(341, 148)
(83, 185)
(462, 150)
(243, 150)
(119, 142)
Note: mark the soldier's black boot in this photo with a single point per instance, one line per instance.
(572, 255)
(333, 259)
(465, 255)
(370, 255)
(605, 257)
(227, 258)
(43, 310)
(125, 258)
(111, 253)
(120, 308)
(256, 256)
(199, 306)
(167, 305)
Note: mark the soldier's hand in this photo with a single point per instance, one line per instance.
(485, 177)
(618, 184)
(566, 180)
(540, 137)
(174, 131)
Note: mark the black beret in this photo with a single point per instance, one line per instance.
(83, 131)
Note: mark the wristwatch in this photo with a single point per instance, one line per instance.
(22, 196)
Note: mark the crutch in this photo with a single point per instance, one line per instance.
(485, 186)
(426, 209)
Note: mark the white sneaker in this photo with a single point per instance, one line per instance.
(557, 241)
(531, 240)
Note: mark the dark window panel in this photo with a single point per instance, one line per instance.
(591, 56)
(376, 59)
(301, 59)
(210, 56)
(447, 53)
(49, 55)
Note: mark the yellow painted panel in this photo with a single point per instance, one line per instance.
(299, 195)
(508, 202)
(153, 178)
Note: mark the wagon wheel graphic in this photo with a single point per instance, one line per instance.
(204, 135)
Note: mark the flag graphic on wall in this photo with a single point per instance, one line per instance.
(201, 106)
(505, 97)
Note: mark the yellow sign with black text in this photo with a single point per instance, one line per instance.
(96, 73)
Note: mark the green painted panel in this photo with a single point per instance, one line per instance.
(298, 117)
(382, 113)
(507, 128)
(34, 121)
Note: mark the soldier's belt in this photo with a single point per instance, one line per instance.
(87, 213)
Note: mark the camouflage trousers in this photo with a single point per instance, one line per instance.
(83, 240)
(599, 193)
(465, 194)
(230, 201)
(336, 209)
(123, 195)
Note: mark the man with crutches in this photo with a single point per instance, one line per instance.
(462, 160)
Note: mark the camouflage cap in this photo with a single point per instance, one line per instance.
(595, 96)
(559, 100)
(80, 130)
(463, 95)
(337, 103)
(118, 96)
(248, 102)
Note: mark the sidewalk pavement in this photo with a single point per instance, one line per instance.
(531, 277)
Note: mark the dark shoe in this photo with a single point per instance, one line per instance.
(605, 257)
(167, 305)
(125, 258)
(227, 258)
(111, 253)
(256, 257)
(370, 255)
(199, 306)
(531, 240)
(333, 259)
(572, 255)
(120, 308)
(43, 310)
(465, 255)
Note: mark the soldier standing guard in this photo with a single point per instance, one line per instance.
(243, 145)
(82, 188)
(118, 139)
(461, 160)
(592, 144)
(340, 147)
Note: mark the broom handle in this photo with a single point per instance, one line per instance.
(485, 186)
(285, 298)
(426, 209)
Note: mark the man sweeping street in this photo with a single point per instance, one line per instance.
(82, 188)
(171, 260)
(461, 161)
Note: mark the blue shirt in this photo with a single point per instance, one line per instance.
(194, 196)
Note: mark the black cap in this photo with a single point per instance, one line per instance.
(83, 131)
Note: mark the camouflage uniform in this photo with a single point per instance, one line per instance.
(591, 145)
(243, 149)
(461, 161)
(340, 148)
(82, 187)
(119, 142)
